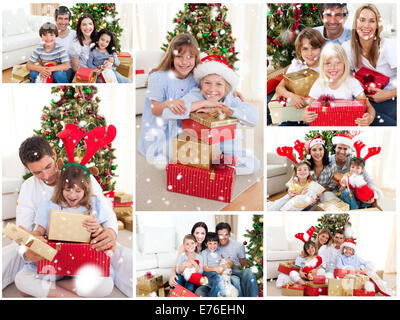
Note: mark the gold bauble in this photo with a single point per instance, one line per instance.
(199, 35)
(261, 220)
(262, 249)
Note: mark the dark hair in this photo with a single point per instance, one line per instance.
(79, 34)
(323, 6)
(211, 236)
(223, 225)
(34, 149)
(202, 225)
(62, 10)
(48, 27)
(357, 162)
(189, 237)
(339, 231)
(315, 38)
(111, 48)
(325, 158)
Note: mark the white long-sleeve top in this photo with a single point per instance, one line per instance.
(329, 255)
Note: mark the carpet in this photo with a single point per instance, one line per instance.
(151, 182)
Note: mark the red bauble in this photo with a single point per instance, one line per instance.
(214, 34)
(245, 243)
(179, 20)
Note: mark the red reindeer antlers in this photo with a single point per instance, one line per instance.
(287, 152)
(359, 145)
(310, 232)
(372, 152)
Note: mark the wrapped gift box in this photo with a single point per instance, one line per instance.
(293, 290)
(71, 257)
(191, 151)
(300, 82)
(128, 223)
(122, 212)
(20, 73)
(121, 225)
(181, 292)
(274, 77)
(363, 293)
(371, 79)
(337, 112)
(341, 273)
(149, 282)
(140, 79)
(122, 199)
(287, 266)
(215, 184)
(359, 280)
(340, 287)
(23, 237)
(333, 206)
(125, 67)
(210, 128)
(281, 110)
(319, 279)
(85, 75)
(313, 289)
(67, 226)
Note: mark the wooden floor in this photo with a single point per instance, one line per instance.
(6, 75)
(250, 200)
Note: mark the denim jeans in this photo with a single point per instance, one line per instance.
(58, 76)
(248, 282)
(387, 110)
(349, 197)
(186, 284)
(215, 283)
(205, 291)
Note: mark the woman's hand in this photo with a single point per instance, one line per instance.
(177, 106)
(309, 116)
(296, 100)
(366, 120)
(91, 224)
(380, 95)
(104, 239)
(172, 280)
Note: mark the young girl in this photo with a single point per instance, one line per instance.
(308, 47)
(72, 193)
(103, 56)
(167, 84)
(335, 80)
(215, 94)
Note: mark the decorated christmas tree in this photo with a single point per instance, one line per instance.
(284, 22)
(207, 23)
(327, 136)
(333, 222)
(255, 249)
(78, 105)
(105, 17)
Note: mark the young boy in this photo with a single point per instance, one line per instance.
(50, 51)
(190, 264)
(348, 258)
(212, 265)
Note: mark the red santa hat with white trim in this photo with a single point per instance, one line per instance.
(311, 143)
(216, 64)
(342, 139)
(349, 242)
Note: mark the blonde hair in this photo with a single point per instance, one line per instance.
(330, 50)
(228, 87)
(355, 38)
(315, 37)
(330, 239)
(73, 176)
(178, 44)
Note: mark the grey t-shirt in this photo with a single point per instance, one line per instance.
(346, 35)
(211, 259)
(234, 251)
(97, 58)
(66, 41)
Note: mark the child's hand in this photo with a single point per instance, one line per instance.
(107, 64)
(297, 101)
(237, 94)
(177, 106)
(91, 224)
(220, 269)
(309, 116)
(111, 60)
(366, 120)
(228, 111)
(292, 194)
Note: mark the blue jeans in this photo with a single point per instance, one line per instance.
(186, 284)
(58, 76)
(204, 291)
(70, 75)
(120, 78)
(387, 110)
(352, 201)
(248, 282)
(215, 283)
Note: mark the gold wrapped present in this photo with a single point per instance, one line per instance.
(359, 280)
(191, 151)
(300, 82)
(125, 67)
(128, 223)
(149, 282)
(213, 119)
(23, 237)
(122, 197)
(333, 206)
(122, 212)
(340, 287)
(20, 73)
(67, 226)
(120, 225)
(293, 289)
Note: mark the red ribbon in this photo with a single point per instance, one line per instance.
(274, 42)
(297, 12)
(281, 99)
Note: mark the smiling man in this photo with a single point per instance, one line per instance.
(334, 16)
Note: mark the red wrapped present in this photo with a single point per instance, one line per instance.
(139, 72)
(363, 293)
(319, 279)
(210, 128)
(371, 79)
(124, 55)
(287, 266)
(313, 289)
(181, 292)
(293, 290)
(274, 78)
(215, 183)
(337, 112)
(84, 74)
(71, 257)
(341, 273)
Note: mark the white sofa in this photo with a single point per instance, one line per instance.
(278, 173)
(145, 60)
(20, 35)
(280, 249)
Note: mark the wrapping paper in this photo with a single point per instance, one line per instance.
(341, 273)
(340, 287)
(274, 78)
(287, 266)
(314, 290)
(363, 293)
(333, 205)
(359, 280)
(284, 111)
(71, 257)
(122, 197)
(67, 226)
(149, 282)
(181, 292)
(300, 82)
(293, 290)
(84, 74)
(20, 73)
(367, 77)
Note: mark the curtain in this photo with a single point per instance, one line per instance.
(44, 9)
(232, 220)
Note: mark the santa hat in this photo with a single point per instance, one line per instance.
(341, 138)
(216, 64)
(349, 242)
(309, 144)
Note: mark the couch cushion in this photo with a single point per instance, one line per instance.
(276, 239)
(15, 22)
(281, 255)
(146, 261)
(167, 260)
(158, 240)
(19, 41)
(10, 185)
(274, 170)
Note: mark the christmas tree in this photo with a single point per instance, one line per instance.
(284, 22)
(327, 136)
(333, 222)
(80, 106)
(105, 17)
(255, 249)
(207, 23)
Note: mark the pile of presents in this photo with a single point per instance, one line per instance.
(68, 248)
(153, 285)
(346, 282)
(197, 167)
(331, 111)
(123, 208)
(20, 74)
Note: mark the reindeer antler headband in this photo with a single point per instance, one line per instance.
(94, 140)
(287, 151)
(359, 145)
(300, 236)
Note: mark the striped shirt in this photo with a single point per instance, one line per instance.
(325, 177)
(57, 54)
